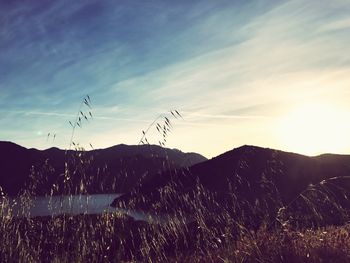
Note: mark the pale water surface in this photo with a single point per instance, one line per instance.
(72, 204)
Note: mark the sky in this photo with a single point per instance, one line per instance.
(270, 73)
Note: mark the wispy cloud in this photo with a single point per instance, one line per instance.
(341, 24)
(212, 116)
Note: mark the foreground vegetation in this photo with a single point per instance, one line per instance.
(212, 232)
(117, 238)
(200, 228)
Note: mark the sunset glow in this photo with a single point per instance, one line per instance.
(314, 129)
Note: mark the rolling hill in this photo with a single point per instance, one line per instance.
(114, 169)
(254, 178)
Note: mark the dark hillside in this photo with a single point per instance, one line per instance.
(258, 177)
(115, 169)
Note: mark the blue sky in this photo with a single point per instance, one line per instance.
(241, 72)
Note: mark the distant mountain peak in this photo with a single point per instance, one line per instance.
(122, 165)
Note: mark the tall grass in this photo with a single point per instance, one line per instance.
(193, 225)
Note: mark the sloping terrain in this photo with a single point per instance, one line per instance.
(115, 169)
(258, 179)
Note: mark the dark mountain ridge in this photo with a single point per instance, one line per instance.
(255, 162)
(259, 177)
(114, 169)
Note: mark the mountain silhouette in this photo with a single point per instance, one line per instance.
(114, 169)
(258, 177)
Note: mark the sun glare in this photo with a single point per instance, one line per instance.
(314, 129)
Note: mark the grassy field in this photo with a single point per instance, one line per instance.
(117, 238)
(200, 226)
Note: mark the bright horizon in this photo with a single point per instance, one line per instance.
(267, 73)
